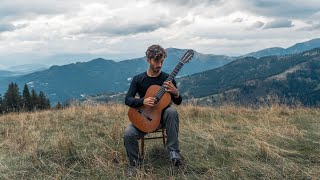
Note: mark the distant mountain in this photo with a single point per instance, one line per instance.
(297, 48)
(286, 79)
(102, 76)
(13, 72)
(21, 70)
(200, 62)
(27, 68)
(4, 73)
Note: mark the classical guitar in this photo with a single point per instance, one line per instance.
(147, 118)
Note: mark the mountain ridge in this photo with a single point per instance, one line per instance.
(251, 81)
(62, 82)
(75, 80)
(296, 48)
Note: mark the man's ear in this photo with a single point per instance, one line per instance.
(148, 60)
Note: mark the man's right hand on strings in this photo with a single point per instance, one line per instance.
(150, 101)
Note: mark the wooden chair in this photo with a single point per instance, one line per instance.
(149, 137)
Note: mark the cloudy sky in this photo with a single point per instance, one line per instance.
(59, 31)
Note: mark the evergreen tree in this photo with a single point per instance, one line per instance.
(34, 100)
(12, 98)
(26, 98)
(58, 106)
(48, 106)
(44, 103)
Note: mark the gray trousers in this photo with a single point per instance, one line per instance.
(170, 121)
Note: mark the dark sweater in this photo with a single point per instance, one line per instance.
(140, 84)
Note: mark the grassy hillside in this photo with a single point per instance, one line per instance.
(249, 81)
(222, 143)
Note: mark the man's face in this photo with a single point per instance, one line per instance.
(155, 65)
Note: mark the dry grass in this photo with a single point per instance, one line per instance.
(216, 143)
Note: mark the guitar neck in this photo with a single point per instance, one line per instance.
(170, 78)
(175, 71)
(185, 58)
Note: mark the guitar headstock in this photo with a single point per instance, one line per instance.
(187, 56)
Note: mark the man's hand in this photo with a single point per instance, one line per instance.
(169, 87)
(150, 101)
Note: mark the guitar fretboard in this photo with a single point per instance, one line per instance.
(170, 78)
(175, 71)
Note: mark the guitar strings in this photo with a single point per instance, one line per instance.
(170, 78)
(161, 92)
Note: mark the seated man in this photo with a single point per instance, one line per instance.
(140, 83)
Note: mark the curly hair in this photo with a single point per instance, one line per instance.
(155, 52)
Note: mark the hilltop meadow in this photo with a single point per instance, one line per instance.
(227, 142)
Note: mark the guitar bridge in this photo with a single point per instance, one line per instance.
(144, 114)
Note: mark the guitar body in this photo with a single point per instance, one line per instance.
(147, 118)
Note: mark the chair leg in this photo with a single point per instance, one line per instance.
(142, 149)
(163, 138)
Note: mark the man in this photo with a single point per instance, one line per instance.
(155, 55)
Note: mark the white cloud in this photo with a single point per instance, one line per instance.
(257, 24)
(56, 32)
(279, 23)
(6, 27)
(284, 9)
